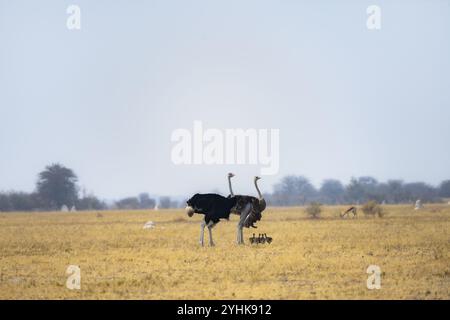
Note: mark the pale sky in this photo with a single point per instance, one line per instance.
(105, 99)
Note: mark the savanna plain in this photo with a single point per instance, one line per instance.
(321, 258)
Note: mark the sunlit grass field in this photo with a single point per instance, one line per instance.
(323, 258)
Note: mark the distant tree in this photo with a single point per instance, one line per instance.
(395, 192)
(5, 204)
(56, 186)
(294, 190)
(354, 191)
(165, 202)
(444, 189)
(21, 201)
(382, 193)
(128, 203)
(420, 190)
(362, 189)
(90, 202)
(332, 191)
(176, 204)
(145, 202)
(369, 185)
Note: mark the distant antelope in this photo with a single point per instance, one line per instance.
(352, 210)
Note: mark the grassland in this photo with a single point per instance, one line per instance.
(323, 258)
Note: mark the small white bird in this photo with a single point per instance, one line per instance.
(149, 225)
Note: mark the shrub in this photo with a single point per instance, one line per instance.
(314, 209)
(372, 208)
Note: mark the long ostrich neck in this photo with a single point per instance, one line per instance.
(229, 185)
(257, 189)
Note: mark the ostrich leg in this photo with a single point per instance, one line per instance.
(202, 232)
(240, 233)
(211, 225)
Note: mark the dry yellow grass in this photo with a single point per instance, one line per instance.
(322, 258)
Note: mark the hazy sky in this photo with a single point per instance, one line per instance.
(105, 99)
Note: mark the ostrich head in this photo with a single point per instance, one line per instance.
(257, 178)
(189, 211)
(190, 207)
(230, 175)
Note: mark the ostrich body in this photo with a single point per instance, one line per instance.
(247, 207)
(215, 207)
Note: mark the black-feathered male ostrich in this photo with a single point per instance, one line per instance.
(243, 204)
(214, 207)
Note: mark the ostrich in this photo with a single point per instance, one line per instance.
(261, 238)
(268, 239)
(214, 207)
(243, 204)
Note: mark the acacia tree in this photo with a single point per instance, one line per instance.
(57, 186)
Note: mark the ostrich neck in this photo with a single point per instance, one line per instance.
(257, 189)
(229, 185)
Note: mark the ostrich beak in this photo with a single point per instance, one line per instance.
(189, 211)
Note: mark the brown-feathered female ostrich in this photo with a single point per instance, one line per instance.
(243, 203)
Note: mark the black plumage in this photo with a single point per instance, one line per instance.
(213, 206)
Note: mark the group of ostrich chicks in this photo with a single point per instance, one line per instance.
(262, 238)
(216, 207)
